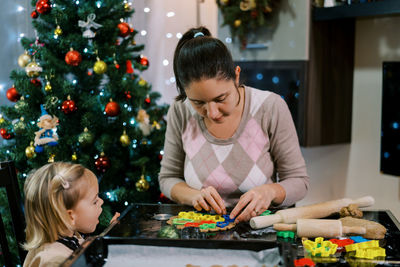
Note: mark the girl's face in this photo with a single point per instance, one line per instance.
(214, 99)
(85, 214)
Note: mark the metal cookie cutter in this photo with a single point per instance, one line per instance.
(162, 216)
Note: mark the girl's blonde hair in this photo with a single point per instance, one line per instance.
(49, 192)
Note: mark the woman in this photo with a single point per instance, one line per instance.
(227, 144)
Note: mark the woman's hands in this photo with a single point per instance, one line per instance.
(208, 198)
(257, 200)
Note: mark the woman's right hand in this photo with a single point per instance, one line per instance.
(208, 198)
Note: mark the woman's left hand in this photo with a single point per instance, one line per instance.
(254, 202)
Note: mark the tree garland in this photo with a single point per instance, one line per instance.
(244, 16)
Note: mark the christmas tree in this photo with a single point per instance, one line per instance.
(79, 97)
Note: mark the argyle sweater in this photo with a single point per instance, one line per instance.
(264, 149)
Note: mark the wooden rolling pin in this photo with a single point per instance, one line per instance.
(314, 211)
(320, 228)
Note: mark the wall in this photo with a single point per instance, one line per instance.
(159, 47)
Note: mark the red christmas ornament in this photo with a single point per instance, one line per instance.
(112, 109)
(34, 14)
(144, 61)
(147, 100)
(102, 163)
(73, 58)
(68, 106)
(160, 157)
(13, 95)
(129, 68)
(128, 95)
(124, 29)
(43, 6)
(36, 82)
(5, 134)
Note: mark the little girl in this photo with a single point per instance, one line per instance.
(61, 201)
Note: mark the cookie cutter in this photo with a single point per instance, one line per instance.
(162, 216)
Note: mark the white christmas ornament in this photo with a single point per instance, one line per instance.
(88, 33)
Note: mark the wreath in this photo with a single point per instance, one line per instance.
(243, 16)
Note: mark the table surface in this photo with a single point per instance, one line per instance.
(138, 226)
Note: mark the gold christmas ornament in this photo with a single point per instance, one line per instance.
(156, 125)
(100, 66)
(24, 59)
(30, 151)
(47, 87)
(74, 157)
(224, 2)
(237, 23)
(246, 5)
(142, 82)
(128, 6)
(2, 120)
(51, 157)
(142, 185)
(58, 30)
(124, 139)
(33, 69)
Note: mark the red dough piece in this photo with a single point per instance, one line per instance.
(304, 262)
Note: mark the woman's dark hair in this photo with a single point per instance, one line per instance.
(200, 57)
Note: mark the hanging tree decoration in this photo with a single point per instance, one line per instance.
(47, 134)
(142, 184)
(21, 105)
(24, 59)
(33, 69)
(19, 126)
(100, 66)
(12, 94)
(124, 29)
(124, 139)
(102, 163)
(68, 106)
(88, 24)
(6, 133)
(34, 14)
(43, 6)
(74, 157)
(112, 109)
(47, 87)
(86, 138)
(30, 151)
(58, 31)
(246, 16)
(144, 122)
(73, 57)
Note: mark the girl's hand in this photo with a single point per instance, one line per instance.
(116, 216)
(208, 198)
(254, 202)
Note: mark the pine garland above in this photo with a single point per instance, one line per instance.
(244, 16)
